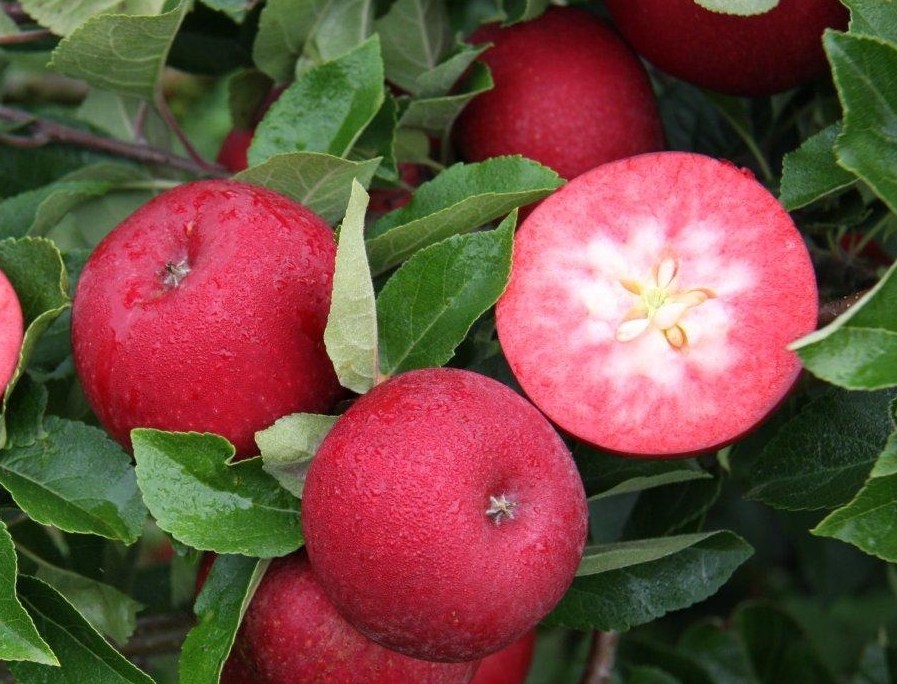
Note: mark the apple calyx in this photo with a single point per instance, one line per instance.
(660, 305)
(501, 507)
(174, 273)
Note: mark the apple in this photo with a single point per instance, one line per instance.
(751, 55)
(292, 634)
(204, 310)
(509, 665)
(443, 515)
(651, 304)
(12, 331)
(568, 93)
(234, 149)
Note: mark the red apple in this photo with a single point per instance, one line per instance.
(205, 311)
(510, 665)
(12, 331)
(568, 93)
(651, 303)
(234, 150)
(739, 55)
(292, 634)
(443, 515)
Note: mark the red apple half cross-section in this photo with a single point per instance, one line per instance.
(651, 303)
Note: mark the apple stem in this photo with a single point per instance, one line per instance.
(175, 273)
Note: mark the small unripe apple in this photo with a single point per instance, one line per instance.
(510, 665)
(443, 515)
(204, 311)
(11, 331)
(568, 93)
(754, 55)
(292, 634)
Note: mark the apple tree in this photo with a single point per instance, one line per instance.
(764, 557)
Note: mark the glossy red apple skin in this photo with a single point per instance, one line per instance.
(233, 345)
(564, 319)
(568, 93)
(292, 634)
(397, 524)
(12, 331)
(738, 55)
(510, 665)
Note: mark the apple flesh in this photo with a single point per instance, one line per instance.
(739, 55)
(568, 93)
(205, 311)
(292, 634)
(652, 301)
(509, 665)
(443, 515)
(12, 331)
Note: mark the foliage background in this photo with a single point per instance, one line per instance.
(768, 562)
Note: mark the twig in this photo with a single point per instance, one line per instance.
(600, 667)
(829, 311)
(173, 125)
(15, 12)
(25, 37)
(44, 131)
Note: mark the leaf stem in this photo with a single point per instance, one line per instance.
(25, 37)
(44, 131)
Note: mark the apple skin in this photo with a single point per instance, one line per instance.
(236, 343)
(402, 529)
(510, 665)
(12, 331)
(235, 149)
(292, 634)
(738, 55)
(568, 93)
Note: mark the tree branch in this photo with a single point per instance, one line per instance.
(44, 131)
(25, 37)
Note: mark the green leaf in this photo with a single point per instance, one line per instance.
(284, 28)
(25, 412)
(812, 171)
(822, 456)
(19, 638)
(461, 198)
(416, 35)
(83, 654)
(289, 445)
(719, 651)
(622, 585)
(235, 9)
(77, 479)
(439, 80)
(110, 611)
(873, 18)
(605, 475)
(858, 350)
(670, 660)
(435, 115)
(124, 54)
(124, 117)
(428, 306)
(321, 182)
(672, 509)
(351, 332)
(778, 648)
(650, 675)
(63, 17)
(347, 24)
(34, 267)
(863, 67)
(741, 8)
(326, 109)
(202, 501)
(522, 10)
(220, 607)
(867, 521)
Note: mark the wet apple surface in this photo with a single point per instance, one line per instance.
(652, 301)
(205, 311)
(443, 515)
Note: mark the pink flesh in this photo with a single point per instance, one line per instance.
(11, 331)
(558, 319)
